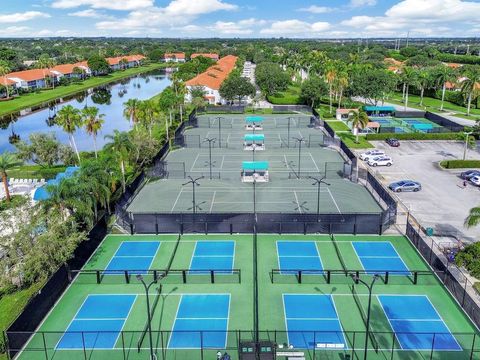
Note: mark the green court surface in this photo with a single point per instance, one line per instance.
(279, 259)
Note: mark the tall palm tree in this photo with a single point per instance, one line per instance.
(7, 161)
(409, 78)
(473, 218)
(424, 81)
(4, 70)
(93, 122)
(70, 119)
(148, 113)
(341, 84)
(45, 63)
(331, 72)
(120, 145)
(359, 120)
(131, 109)
(471, 85)
(442, 75)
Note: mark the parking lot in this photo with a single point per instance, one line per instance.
(443, 202)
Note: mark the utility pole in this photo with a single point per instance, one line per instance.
(300, 140)
(210, 163)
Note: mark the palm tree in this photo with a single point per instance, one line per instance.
(4, 70)
(45, 62)
(148, 113)
(471, 85)
(70, 119)
(120, 145)
(341, 83)
(7, 161)
(442, 75)
(409, 77)
(424, 81)
(359, 120)
(473, 218)
(130, 112)
(331, 72)
(93, 122)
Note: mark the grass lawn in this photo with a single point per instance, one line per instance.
(324, 111)
(338, 125)
(32, 99)
(349, 140)
(431, 104)
(291, 96)
(35, 172)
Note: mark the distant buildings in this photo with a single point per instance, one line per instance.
(212, 79)
(174, 57)
(36, 78)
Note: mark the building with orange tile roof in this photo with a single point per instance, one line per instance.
(212, 79)
(174, 57)
(130, 61)
(212, 56)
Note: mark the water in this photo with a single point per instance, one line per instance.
(108, 99)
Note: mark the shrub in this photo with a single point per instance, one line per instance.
(414, 136)
(460, 164)
(470, 259)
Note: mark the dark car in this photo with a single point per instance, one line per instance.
(393, 142)
(405, 185)
(467, 175)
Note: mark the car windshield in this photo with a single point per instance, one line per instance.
(401, 183)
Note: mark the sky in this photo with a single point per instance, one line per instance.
(240, 18)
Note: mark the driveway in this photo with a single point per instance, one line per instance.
(443, 203)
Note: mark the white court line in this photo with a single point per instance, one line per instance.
(213, 201)
(223, 160)
(193, 165)
(314, 162)
(335, 203)
(176, 200)
(298, 204)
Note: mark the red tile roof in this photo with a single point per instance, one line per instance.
(174, 55)
(129, 58)
(6, 81)
(30, 75)
(215, 74)
(209, 55)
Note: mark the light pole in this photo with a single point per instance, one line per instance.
(300, 140)
(467, 137)
(210, 142)
(149, 315)
(219, 119)
(288, 131)
(370, 288)
(194, 183)
(319, 182)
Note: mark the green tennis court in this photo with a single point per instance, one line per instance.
(203, 300)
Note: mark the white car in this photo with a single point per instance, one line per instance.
(381, 161)
(475, 180)
(371, 154)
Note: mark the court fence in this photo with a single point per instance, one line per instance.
(278, 223)
(239, 344)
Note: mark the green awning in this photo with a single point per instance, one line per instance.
(254, 137)
(379, 108)
(254, 119)
(255, 165)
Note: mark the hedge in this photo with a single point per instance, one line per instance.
(414, 136)
(460, 164)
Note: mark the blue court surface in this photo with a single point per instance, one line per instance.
(98, 322)
(134, 255)
(299, 255)
(417, 324)
(213, 255)
(201, 321)
(379, 257)
(312, 322)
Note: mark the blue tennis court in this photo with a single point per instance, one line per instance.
(201, 321)
(213, 255)
(409, 314)
(98, 322)
(133, 255)
(379, 256)
(312, 322)
(299, 255)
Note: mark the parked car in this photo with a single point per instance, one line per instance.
(392, 142)
(405, 185)
(381, 161)
(475, 180)
(466, 175)
(371, 154)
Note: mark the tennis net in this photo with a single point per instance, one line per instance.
(364, 318)
(339, 254)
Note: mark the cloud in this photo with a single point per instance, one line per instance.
(89, 13)
(14, 31)
(295, 27)
(104, 4)
(314, 9)
(21, 17)
(360, 3)
(176, 13)
(242, 27)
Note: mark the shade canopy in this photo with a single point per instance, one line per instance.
(254, 137)
(255, 165)
(379, 108)
(254, 119)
